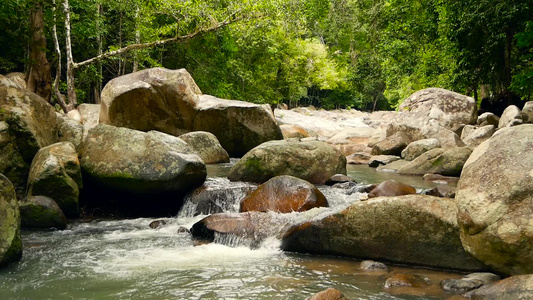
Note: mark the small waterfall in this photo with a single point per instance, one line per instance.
(215, 196)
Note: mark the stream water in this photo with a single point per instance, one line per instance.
(126, 259)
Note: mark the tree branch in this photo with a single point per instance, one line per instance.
(176, 39)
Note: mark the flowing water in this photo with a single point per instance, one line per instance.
(126, 259)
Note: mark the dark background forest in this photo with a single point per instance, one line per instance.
(363, 54)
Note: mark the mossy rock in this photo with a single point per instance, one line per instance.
(41, 212)
(10, 242)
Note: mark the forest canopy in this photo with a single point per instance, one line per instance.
(364, 54)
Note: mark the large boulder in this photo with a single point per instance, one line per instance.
(239, 126)
(290, 131)
(512, 288)
(528, 111)
(10, 242)
(446, 107)
(511, 116)
(438, 161)
(55, 172)
(412, 229)
(69, 131)
(148, 171)
(391, 188)
(284, 194)
(152, 99)
(417, 148)
(495, 200)
(314, 161)
(473, 136)
(392, 145)
(207, 146)
(41, 212)
(27, 123)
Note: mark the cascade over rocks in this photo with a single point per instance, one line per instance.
(148, 171)
(411, 229)
(152, 99)
(239, 126)
(27, 123)
(313, 161)
(10, 242)
(495, 200)
(284, 194)
(206, 145)
(55, 172)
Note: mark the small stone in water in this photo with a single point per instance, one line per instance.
(157, 223)
(373, 265)
(329, 294)
(183, 230)
(411, 280)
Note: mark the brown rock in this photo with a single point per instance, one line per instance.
(391, 188)
(410, 280)
(284, 194)
(329, 294)
(511, 288)
(360, 158)
(391, 145)
(293, 131)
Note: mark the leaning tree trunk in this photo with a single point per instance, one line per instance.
(38, 76)
(71, 90)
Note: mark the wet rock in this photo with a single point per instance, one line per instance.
(445, 107)
(495, 200)
(512, 288)
(488, 118)
(373, 265)
(183, 230)
(215, 196)
(338, 178)
(391, 145)
(511, 116)
(411, 280)
(148, 173)
(55, 172)
(438, 161)
(157, 224)
(284, 194)
(293, 131)
(442, 191)
(376, 229)
(27, 123)
(377, 160)
(360, 158)
(206, 145)
(391, 188)
(239, 126)
(152, 99)
(329, 294)
(315, 162)
(417, 148)
(41, 212)
(468, 282)
(10, 242)
(393, 166)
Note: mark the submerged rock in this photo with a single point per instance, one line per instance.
(495, 200)
(10, 242)
(329, 294)
(413, 229)
(55, 173)
(239, 126)
(411, 280)
(373, 265)
(315, 162)
(146, 172)
(284, 194)
(207, 146)
(41, 212)
(27, 123)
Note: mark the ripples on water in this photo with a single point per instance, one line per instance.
(125, 259)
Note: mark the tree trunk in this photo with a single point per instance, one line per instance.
(60, 98)
(71, 90)
(38, 76)
(137, 41)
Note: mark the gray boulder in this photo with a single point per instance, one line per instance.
(377, 160)
(207, 146)
(438, 161)
(122, 161)
(473, 136)
(314, 161)
(511, 116)
(528, 111)
(152, 99)
(55, 172)
(488, 118)
(469, 282)
(41, 212)
(239, 126)
(417, 148)
(27, 123)
(391, 145)
(511, 288)
(495, 200)
(69, 131)
(10, 242)
(376, 229)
